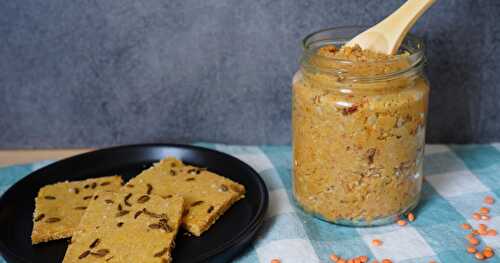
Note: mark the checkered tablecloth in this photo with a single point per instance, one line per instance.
(457, 178)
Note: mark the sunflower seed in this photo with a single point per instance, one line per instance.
(80, 207)
(105, 183)
(120, 208)
(120, 224)
(197, 203)
(210, 209)
(125, 200)
(108, 201)
(77, 191)
(87, 197)
(95, 243)
(52, 220)
(154, 226)
(93, 185)
(100, 253)
(40, 217)
(122, 213)
(84, 254)
(190, 179)
(161, 253)
(95, 197)
(49, 197)
(86, 186)
(137, 214)
(143, 199)
(150, 189)
(152, 214)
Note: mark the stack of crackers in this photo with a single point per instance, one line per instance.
(136, 222)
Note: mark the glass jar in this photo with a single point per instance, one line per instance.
(358, 131)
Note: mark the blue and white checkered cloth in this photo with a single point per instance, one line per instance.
(457, 178)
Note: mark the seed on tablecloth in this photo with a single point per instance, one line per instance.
(471, 250)
(476, 216)
(484, 210)
(363, 259)
(411, 217)
(474, 241)
(377, 242)
(488, 253)
(489, 200)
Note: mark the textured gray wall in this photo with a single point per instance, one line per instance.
(104, 72)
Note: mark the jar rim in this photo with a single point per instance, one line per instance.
(412, 44)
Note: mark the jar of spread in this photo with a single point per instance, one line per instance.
(358, 122)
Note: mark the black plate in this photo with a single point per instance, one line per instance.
(220, 243)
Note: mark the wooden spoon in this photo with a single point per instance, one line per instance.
(386, 36)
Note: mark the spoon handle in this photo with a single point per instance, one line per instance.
(402, 20)
(386, 36)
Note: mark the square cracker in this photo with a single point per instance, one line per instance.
(59, 207)
(125, 227)
(206, 195)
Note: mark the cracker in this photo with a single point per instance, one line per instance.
(206, 195)
(59, 207)
(126, 227)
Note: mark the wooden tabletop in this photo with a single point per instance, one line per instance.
(11, 157)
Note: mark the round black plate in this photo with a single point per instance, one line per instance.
(220, 243)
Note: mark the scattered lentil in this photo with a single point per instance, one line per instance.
(363, 259)
(476, 216)
(489, 200)
(471, 250)
(479, 255)
(488, 253)
(377, 242)
(474, 241)
(411, 217)
(484, 210)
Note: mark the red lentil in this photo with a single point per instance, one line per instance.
(489, 200)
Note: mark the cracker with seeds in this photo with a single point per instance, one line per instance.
(59, 207)
(206, 195)
(126, 227)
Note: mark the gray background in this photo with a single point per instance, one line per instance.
(107, 72)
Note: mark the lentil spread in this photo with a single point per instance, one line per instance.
(358, 134)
